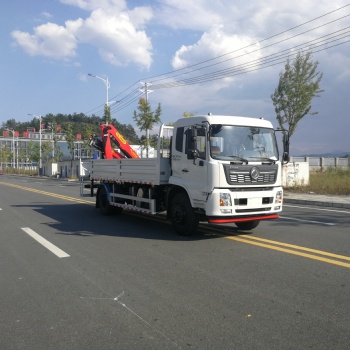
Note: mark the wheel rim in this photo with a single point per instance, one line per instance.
(178, 214)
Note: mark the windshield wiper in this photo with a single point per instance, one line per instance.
(264, 159)
(243, 160)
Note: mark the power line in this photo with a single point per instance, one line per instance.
(249, 53)
(245, 54)
(259, 42)
(261, 62)
(316, 45)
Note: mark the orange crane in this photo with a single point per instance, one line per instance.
(110, 134)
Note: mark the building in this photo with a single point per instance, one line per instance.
(16, 151)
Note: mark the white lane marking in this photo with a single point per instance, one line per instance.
(310, 221)
(48, 245)
(314, 208)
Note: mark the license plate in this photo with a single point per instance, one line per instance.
(255, 202)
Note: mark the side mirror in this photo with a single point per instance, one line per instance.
(192, 154)
(191, 137)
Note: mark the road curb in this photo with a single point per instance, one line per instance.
(317, 203)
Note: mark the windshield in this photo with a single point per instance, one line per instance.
(242, 143)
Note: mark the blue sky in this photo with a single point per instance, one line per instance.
(49, 47)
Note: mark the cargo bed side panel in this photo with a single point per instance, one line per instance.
(143, 170)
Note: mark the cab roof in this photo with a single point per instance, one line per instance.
(224, 119)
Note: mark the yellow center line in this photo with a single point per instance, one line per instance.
(71, 199)
(320, 252)
(294, 252)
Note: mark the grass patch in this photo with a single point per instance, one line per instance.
(332, 181)
(19, 171)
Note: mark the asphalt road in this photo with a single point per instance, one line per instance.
(129, 282)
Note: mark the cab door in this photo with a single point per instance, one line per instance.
(194, 164)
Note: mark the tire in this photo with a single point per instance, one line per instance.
(105, 208)
(184, 220)
(247, 225)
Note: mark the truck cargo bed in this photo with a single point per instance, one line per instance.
(154, 171)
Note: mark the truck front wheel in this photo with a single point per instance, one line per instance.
(184, 220)
(247, 225)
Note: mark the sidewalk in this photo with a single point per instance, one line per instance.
(317, 199)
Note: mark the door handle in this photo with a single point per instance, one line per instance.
(184, 170)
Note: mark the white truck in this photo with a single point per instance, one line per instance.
(213, 168)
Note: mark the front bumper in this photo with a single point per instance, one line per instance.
(246, 203)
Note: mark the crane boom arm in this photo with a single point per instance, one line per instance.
(109, 135)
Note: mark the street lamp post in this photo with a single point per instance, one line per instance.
(13, 148)
(40, 160)
(108, 85)
(51, 126)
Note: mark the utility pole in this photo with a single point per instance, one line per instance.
(146, 91)
(17, 146)
(13, 148)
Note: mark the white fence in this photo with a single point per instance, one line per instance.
(322, 163)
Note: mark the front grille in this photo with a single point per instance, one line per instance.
(240, 174)
(245, 178)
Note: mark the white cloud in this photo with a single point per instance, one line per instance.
(243, 22)
(49, 40)
(91, 5)
(139, 16)
(216, 42)
(117, 34)
(118, 41)
(241, 25)
(46, 14)
(187, 14)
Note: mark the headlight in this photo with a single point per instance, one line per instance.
(225, 200)
(279, 197)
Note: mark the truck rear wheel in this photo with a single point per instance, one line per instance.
(184, 220)
(247, 225)
(105, 208)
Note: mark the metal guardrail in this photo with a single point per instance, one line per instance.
(320, 163)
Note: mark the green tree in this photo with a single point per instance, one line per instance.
(10, 124)
(298, 85)
(187, 115)
(107, 111)
(145, 119)
(46, 150)
(5, 155)
(87, 131)
(33, 151)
